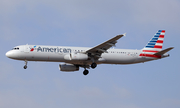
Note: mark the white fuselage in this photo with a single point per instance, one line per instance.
(58, 53)
(84, 57)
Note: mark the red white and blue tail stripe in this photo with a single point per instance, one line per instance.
(154, 45)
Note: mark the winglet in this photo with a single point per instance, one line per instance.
(164, 51)
(124, 34)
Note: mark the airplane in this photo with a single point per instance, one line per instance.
(85, 57)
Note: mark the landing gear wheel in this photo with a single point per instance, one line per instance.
(25, 67)
(85, 72)
(93, 65)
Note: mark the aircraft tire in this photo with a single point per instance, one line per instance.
(85, 72)
(93, 65)
(25, 67)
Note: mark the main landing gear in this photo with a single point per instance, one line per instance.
(93, 65)
(25, 66)
(85, 72)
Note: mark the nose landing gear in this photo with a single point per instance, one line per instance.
(25, 66)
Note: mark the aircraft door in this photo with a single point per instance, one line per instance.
(26, 48)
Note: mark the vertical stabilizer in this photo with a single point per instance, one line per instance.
(154, 45)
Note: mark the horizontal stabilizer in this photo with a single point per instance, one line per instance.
(163, 51)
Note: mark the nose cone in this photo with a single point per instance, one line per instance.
(9, 54)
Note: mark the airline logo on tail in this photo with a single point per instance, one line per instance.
(154, 45)
(157, 40)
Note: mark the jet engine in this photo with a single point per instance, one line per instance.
(78, 56)
(68, 67)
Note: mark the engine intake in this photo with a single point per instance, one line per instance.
(68, 67)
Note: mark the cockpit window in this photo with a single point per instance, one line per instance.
(15, 48)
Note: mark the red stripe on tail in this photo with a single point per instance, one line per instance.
(161, 36)
(157, 46)
(150, 51)
(163, 31)
(159, 41)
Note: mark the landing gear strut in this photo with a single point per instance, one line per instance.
(25, 66)
(85, 72)
(93, 65)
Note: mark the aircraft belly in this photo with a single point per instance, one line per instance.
(119, 59)
(45, 56)
(54, 57)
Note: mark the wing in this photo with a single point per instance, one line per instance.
(102, 48)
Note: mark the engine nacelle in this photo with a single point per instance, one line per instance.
(68, 67)
(78, 56)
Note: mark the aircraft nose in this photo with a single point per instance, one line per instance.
(9, 54)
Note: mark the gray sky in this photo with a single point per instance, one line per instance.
(85, 23)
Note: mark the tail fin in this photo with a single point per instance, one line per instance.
(156, 43)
